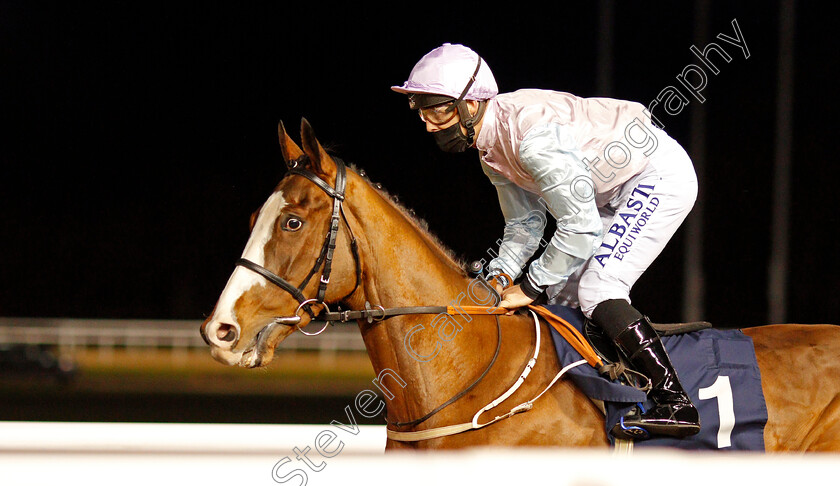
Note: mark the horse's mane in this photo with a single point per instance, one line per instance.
(421, 224)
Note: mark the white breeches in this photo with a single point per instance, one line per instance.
(638, 223)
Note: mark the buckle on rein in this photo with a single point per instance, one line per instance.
(370, 314)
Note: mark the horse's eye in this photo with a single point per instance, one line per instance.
(293, 224)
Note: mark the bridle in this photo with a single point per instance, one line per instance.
(371, 314)
(325, 257)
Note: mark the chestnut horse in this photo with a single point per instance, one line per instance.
(347, 242)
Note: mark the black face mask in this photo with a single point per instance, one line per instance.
(452, 140)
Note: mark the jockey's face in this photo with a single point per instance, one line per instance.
(443, 116)
(439, 117)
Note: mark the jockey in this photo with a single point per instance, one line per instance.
(617, 186)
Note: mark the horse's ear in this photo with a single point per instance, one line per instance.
(288, 147)
(320, 162)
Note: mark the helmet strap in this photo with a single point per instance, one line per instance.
(469, 121)
(458, 102)
(470, 82)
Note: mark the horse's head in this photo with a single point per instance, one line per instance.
(288, 268)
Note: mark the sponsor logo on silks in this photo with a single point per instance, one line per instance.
(635, 214)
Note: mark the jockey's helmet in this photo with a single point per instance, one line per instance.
(443, 81)
(445, 74)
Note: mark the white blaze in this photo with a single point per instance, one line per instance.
(243, 279)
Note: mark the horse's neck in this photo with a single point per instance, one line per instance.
(403, 267)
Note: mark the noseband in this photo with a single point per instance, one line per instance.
(325, 257)
(371, 314)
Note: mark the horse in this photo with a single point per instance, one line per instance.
(439, 369)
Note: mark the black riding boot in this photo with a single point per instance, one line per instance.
(673, 414)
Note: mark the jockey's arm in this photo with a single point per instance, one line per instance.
(563, 182)
(524, 225)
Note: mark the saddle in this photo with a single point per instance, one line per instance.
(717, 367)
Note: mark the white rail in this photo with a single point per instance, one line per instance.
(136, 438)
(181, 334)
(143, 454)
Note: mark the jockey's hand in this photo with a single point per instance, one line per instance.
(513, 298)
(498, 288)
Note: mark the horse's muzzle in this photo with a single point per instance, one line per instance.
(266, 340)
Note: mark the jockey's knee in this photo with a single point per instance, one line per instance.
(595, 288)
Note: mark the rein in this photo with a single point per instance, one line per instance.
(458, 395)
(438, 432)
(378, 313)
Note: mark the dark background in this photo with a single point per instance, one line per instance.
(137, 138)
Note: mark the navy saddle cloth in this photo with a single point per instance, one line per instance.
(718, 370)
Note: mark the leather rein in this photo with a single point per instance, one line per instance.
(369, 313)
(378, 313)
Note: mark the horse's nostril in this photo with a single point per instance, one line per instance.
(226, 332)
